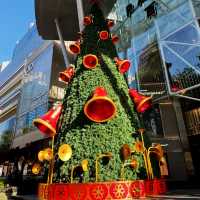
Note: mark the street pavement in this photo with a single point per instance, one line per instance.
(172, 195)
(180, 194)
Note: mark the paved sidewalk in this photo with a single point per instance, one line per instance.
(172, 195)
(24, 197)
(180, 194)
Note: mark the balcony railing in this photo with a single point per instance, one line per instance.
(8, 108)
(9, 97)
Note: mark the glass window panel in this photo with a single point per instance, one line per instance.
(178, 48)
(36, 85)
(132, 70)
(193, 56)
(7, 124)
(189, 53)
(6, 132)
(37, 81)
(180, 74)
(150, 71)
(141, 41)
(27, 45)
(30, 42)
(21, 123)
(188, 34)
(40, 110)
(196, 5)
(31, 117)
(152, 121)
(174, 20)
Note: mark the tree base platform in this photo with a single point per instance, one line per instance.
(112, 190)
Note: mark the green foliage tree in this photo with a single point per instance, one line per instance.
(87, 138)
(5, 140)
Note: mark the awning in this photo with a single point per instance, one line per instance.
(22, 140)
(66, 12)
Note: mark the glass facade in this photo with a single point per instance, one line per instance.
(23, 49)
(38, 87)
(35, 90)
(179, 42)
(34, 56)
(163, 48)
(162, 41)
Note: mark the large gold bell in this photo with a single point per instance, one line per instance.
(65, 152)
(41, 156)
(158, 151)
(36, 168)
(84, 165)
(48, 154)
(125, 152)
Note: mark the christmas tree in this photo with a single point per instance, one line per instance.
(115, 139)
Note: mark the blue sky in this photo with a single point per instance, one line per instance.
(15, 17)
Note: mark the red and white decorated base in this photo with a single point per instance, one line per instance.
(102, 190)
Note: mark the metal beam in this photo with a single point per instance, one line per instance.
(186, 97)
(63, 47)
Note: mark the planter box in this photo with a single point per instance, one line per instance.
(101, 190)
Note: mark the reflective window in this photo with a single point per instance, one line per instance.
(182, 57)
(7, 124)
(132, 78)
(173, 31)
(187, 34)
(150, 71)
(6, 131)
(171, 21)
(143, 40)
(181, 75)
(152, 121)
(34, 92)
(160, 46)
(139, 37)
(27, 45)
(196, 5)
(23, 49)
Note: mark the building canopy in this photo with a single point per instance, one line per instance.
(67, 14)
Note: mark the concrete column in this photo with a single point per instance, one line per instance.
(175, 153)
(183, 137)
(181, 124)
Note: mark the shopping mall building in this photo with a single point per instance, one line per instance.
(161, 38)
(29, 86)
